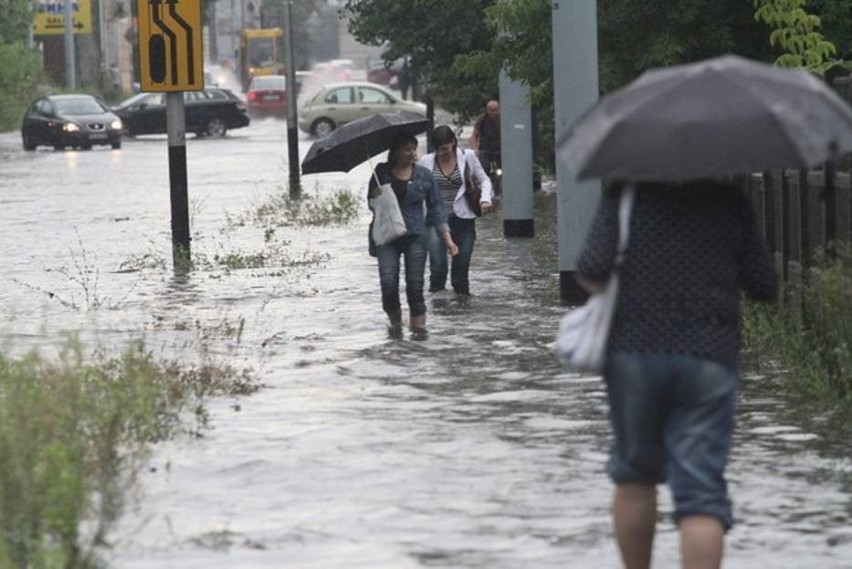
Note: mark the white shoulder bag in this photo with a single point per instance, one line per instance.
(388, 223)
(584, 331)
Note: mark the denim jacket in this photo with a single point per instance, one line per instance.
(421, 190)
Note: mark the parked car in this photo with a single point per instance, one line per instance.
(378, 72)
(339, 103)
(211, 112)
(80, 121)
(267, 96)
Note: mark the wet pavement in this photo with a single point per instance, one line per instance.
(471, 449)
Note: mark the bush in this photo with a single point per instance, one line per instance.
(20, 77)
(72, 433)
(815, 350)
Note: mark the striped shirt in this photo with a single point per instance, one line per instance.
(448, 186)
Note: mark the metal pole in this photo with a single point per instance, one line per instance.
(575, 89)
(70, 70)
(292, 126)
(176, 128)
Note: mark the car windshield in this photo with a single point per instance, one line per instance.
(268, 82)
(80, 106)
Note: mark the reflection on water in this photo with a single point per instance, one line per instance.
(472, 449)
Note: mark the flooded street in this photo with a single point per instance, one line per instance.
(470, 450)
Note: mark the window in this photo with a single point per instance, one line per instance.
(343, 95)
(373, 97)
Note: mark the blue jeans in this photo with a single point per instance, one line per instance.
(413, 248)
(463, 232)
(673, 420)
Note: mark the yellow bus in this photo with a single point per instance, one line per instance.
(261, 53)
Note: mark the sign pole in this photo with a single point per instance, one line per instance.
(176, 127)
(171, 62)
(292, 127)
(70, 70)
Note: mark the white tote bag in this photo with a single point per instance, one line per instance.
(388, 223)
(584, 331)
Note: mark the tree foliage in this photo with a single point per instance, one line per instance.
(20, 67)
(795, 31)
(835, 17)
(432, 34)
(15, 19)
(20, 76)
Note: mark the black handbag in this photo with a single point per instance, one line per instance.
(472, 191)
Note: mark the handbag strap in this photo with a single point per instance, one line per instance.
(625, 208)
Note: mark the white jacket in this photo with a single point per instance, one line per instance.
(465, 158)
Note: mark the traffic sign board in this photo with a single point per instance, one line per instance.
(170, 46)
(49, 17)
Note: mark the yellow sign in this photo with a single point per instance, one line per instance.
(49, 18)
(170, 48)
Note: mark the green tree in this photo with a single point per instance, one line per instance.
(20, 67)
(795, 31)
(432, 34)
(835, 16)
(459, 47)
(20, 76)
(15, 19)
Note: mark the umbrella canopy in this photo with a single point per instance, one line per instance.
(359, 140)
(721, 116)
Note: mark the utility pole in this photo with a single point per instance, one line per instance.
(575, 89)
(70, 69)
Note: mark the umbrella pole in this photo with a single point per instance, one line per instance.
(370, 162)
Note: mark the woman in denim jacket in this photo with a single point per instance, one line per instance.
(415, 189)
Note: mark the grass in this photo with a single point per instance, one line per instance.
(72, 432)
(281, 210)
(814, 350)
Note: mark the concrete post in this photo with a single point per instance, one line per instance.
(516, 151)
(575, 89)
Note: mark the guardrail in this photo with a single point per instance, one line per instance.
(803, 214)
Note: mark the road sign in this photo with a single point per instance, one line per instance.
(170, 46)
(49, 18)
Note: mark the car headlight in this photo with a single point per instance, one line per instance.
(116, 124)
(70, 127)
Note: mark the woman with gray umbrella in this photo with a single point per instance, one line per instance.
(677, 134)
(673, 353)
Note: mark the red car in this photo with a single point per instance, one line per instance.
(267, 96)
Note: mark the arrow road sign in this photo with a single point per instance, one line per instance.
(170, 48)
(49, 17)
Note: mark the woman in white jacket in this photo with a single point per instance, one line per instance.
(447, 165)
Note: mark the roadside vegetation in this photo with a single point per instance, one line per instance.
(809, 338)
(73, 435)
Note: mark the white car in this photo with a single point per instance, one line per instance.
(339, 103)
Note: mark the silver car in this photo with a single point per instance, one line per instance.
(339, 103)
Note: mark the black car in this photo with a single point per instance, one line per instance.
(210, 112)
(70, 120)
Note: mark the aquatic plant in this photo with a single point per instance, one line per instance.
(73, 431)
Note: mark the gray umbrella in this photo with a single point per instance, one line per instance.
(721, 116)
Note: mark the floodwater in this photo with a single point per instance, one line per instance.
(471, 449)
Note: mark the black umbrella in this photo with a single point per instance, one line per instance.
(726, 115)
(360, 140)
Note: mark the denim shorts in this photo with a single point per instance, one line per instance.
(673, 421)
